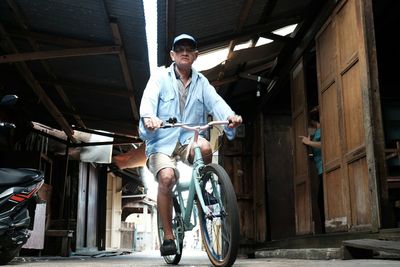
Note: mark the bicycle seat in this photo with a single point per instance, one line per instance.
(10, 176)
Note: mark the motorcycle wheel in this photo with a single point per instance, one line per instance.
(7, 254)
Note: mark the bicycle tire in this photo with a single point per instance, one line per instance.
(220, 234)
(177, 222)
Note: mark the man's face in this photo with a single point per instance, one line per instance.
(184, 54)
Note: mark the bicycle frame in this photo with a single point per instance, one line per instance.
(194, 184)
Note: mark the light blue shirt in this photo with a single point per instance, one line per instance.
(161, 99)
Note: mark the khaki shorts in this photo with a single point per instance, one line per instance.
(159, 161)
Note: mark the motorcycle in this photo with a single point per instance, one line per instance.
(17, 188)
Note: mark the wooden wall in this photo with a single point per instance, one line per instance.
(279, 176)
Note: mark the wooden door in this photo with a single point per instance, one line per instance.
(341, 73)
(301, 175)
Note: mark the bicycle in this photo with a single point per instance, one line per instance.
(211, 191)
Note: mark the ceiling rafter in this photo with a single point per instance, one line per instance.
(125, 67)
(129, 82)
(247, 74)
(23, 24)
(60, 53)
(246, 8)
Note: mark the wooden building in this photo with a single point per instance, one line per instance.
(342, 65)
(83, 67)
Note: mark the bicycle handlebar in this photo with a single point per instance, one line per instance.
(198, 128)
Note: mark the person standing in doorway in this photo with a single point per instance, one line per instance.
(314, 142)
(183, 93)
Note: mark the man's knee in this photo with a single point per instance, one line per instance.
(206, 150)
(166, 179)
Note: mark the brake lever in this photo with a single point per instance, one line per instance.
(172, 120)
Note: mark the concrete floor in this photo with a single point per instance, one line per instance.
(189, 258)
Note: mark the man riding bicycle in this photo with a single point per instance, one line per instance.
(181, 92)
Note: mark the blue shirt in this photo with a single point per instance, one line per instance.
(317, 151)
(161, 99)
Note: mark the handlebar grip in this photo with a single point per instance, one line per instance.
(7, 125)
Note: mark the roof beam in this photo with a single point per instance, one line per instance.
(125, 68)
(247, 74)
(246, 8)
(63, 53)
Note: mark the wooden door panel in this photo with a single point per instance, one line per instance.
(239, 170)
(303, 212)
(335, 206)
(346, 181)
(326, 50)
(298, 90)
(359, 188)
(301, 177)
(246, 218)
(352, 109)
(300, 160)
(348, 30)
(330, 125)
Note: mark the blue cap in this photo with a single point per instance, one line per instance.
(184, 37)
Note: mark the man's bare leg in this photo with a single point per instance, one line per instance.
(166, 180)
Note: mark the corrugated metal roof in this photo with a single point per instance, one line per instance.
(95, 85)
(94, 88)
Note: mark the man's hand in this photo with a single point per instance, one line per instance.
(305, 139)
(152, 123)
(234, 121)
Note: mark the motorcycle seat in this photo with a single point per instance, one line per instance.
(10, 176)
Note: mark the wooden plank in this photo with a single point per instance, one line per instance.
(364, 248)
(36, 239)
(374, 135)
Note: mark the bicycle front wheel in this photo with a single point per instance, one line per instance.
(220, 222)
